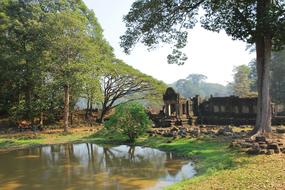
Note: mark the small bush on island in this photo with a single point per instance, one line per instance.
(129, 119)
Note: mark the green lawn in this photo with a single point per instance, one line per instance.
(256, 173)
(24, 140)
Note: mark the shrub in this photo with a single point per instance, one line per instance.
(129, 119)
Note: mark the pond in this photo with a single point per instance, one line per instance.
(89, 166)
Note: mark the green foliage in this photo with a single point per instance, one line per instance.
(122, 83)
(242, 83)
(195, 84)
(129, 119)
(253, 75)
(151, 22)
(277, 80)
(22, 45)
(44, 46)
(278, 77)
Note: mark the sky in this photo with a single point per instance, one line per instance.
(211, 54)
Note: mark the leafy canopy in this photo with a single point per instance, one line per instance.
(121, 83)
(45, 45)
(153, 21)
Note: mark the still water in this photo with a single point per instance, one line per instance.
(89, 166)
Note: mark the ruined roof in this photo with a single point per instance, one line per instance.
(170, 94)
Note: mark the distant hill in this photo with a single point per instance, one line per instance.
(195, 84)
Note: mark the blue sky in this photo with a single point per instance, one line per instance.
(211, 54)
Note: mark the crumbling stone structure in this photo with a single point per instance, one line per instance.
(231, 110)
(176, 106)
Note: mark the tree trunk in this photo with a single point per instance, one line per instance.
(91, 105)
(263, 62)
(41, 119)
(66, 107)
(87, 109)
(105, 109)
(101, 118)
(71, 117)
(28, 97)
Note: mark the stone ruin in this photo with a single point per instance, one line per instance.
(240, 140)
(196, 117)
(231, 110)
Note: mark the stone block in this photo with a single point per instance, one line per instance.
(260, 139)
(262, 151)
(275, 147)
(280, 130)
(270, 151)
(253, 151)
(246, 145)
(263, 146)
(248, 140)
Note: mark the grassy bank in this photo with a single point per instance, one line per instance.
(218, 166)
(209, 154)
(258, 172)
(29, 139)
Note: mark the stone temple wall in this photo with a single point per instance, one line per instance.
(231, 110)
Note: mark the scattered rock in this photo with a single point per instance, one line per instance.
(260, 139)
(227, 131)
(261, 145)
(280, 130)
(275, 147)
(270, 151)
(253, 151)
(263, 151)
(245, 145)
(174, 129)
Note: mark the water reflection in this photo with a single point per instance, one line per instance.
(89, 166)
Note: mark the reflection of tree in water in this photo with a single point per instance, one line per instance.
(84, 165)
(151, 165)
(173, 163)
(42, 167)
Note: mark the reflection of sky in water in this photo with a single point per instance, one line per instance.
(187, 171)
(89, 166)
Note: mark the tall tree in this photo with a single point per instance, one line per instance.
(253, 75)
(121, 83)
(72, 51)
(259, 22)
(23, 46)
(48, 46)
(242, 83)
(278, 77)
